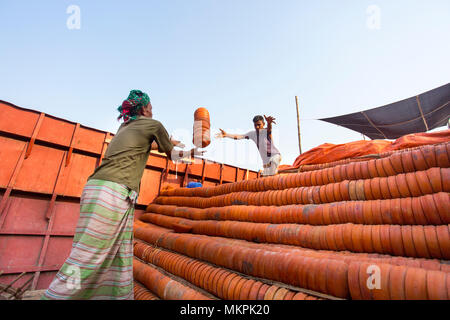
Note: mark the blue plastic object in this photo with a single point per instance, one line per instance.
(194, 185)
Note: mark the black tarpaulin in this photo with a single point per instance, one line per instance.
(421, 113)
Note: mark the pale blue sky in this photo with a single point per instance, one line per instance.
(238, 58)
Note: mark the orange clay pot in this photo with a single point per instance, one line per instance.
(334, 215)
(406, 211)
(281, 293)
(313, 178)
(396, 210)
(339, 237)
(384, 188)
(254, 289)
(367, 189)
(360, 195)
(434, 176)
(395, 235)
(375, 188)
(270, 293)
(424, 182)
(432, 241)
(358, 173)
(316, 194)
(416, 284)
(344, 190)
(353, 280)
(418, 212)
(407, 161)
(329, 193)
(347, 236)
(290, 295)
(322, 177)
(365, 170)
(429, 155)
(312, 274)
(343, 172)
(337, 174)
(350, 211)
(357, 238)
(372, 169)
(245, 290)
(337, 192)
(418, 160)
(367, 213)
(402, 185)
(262, 292)
(367, 244)
(337, 283)
(323, 238)
(228, 285)
(443, 237)
(330, 175)
(436, 285)
(352, 190)
(211, 281)
(330, 237)
(386, 212)
(326, 218)
(397, 282)
(237, 289)
(350, 171)
(442, 159)
(219, 282)
(441, 200)
(393, 187)
(445, 174)
(299, 296)
(376, 239)
(382, 293)
(419, 241)
(408, 242)
(302, 274)
(387, 167)
(366, 293)
(323, 194)
(396, 161)
(385, 239)
(430, 211)
(380, 169)
(376, 211)
(321, 277)
(342, 212)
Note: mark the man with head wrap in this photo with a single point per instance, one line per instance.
(100, 264)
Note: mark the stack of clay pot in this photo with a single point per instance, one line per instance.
(201, 138)
(374, 229)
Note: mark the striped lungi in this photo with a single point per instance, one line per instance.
(100, 264)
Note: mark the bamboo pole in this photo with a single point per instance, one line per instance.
(298, 126)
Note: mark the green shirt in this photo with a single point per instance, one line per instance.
(127, 154)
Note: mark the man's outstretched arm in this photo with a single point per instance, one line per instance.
(269, 120)
(223, 134)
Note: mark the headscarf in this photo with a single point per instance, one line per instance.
(130, 107)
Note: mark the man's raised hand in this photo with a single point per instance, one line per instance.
(221, 134)
(270, 119)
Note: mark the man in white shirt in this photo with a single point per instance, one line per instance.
(270, 155)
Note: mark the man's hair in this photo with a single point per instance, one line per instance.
(257, 118)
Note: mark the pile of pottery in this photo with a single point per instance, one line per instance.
(373, 229)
